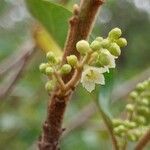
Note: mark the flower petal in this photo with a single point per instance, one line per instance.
(100, 79)
(89, 86)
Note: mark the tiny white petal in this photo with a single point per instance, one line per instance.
(91, 76)
(89, 86)
(112, 62)
(100, 79)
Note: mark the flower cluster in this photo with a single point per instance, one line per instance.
(53, 69)
(102, 55)
(138, 111)
(96, 59)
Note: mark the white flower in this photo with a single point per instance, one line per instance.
(92, 76)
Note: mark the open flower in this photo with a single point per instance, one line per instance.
(91, 76)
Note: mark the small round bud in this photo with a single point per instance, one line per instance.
(138, 133)
(143, 110)
(72, 60)
(140, 119)
(51, 57)
(130, 124)
(95, 45)
(42, 67)
(83, 47)
(104, 58)
(49, 71)
(140, 87)
(145, 84)
(99, 39)
(115, 49)
(116, 122)
(122, 42)
(132, 137)
(105, 43)
(133, 95)
(118, 130)
(65, 69)
(49, 86)
(144, 102)
(130, 107)
(115, 33)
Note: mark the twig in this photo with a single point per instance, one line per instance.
(143, 141)
(13, 59)
(108, 124)
(80, 27)
(16, 74)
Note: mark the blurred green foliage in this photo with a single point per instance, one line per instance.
(23, 111)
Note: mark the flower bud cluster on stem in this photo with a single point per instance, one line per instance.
(96, 58)
(137, 122)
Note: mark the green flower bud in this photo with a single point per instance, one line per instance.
(145, 84)
(143, 110)
(51, 57)
(83, 47)
(130, 107)
(140, 87)
(130, 124)
(116, 122)
(103, 58)
(105, 43)
(72, 60)
(42, 67)
(99, 39)
(49, 86)
(115, 49)
(140, 119)
(122, 42)
(49, 71)
(118, 130)
(115, 33)
(144, 101)
(65, 69)
(95, 45)
(138, 133)
(133, 95)
(132, 137)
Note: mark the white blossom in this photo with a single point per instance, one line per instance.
(91, 76)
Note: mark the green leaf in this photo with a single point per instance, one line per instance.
(52, 16)
(105, 92)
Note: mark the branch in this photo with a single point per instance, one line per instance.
(16, 57)
(143, 141)
(80, 27)
(18, 68)
(108, 124)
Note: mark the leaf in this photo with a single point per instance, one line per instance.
(105, 92)
(52, 16)
(45, 41)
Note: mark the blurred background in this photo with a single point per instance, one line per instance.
(23, 98)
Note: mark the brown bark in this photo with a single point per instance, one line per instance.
(80, 27)
(143, 141)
